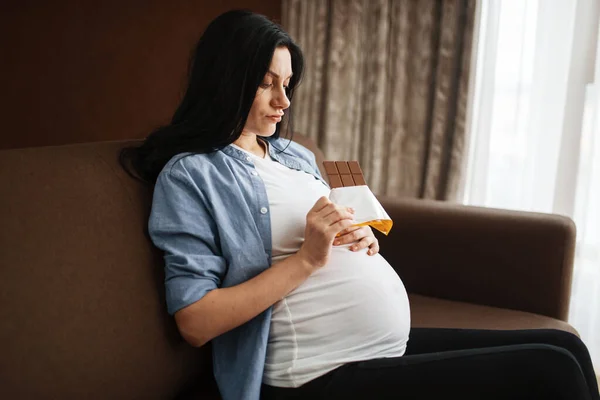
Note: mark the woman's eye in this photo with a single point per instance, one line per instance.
(268, 85)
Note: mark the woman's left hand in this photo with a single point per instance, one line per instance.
(363, 234)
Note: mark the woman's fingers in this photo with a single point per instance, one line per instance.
(370, 242)
(373, 248)
(352, 234)
(339, 219)
(351, 229)
(364, 237)
(340, 225)
(320, 204)
(331, 215)
(364, 243)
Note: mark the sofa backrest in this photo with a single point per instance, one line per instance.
(82, 310)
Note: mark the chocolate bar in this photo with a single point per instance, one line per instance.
(344, 173)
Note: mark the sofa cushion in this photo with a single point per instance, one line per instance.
(430, 312)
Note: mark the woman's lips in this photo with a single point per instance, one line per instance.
(275, 118)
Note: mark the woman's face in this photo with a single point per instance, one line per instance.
(271, 100)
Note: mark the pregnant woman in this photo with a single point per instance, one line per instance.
(253, 264)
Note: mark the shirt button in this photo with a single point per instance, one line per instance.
(254, 173)
(248, 158)
(263, 210)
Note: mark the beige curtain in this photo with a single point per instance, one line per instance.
(386, 84)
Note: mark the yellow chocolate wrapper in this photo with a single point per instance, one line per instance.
(367, 209)
(382, 225)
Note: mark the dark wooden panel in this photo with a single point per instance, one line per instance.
(74, 71)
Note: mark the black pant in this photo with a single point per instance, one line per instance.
(463, 364)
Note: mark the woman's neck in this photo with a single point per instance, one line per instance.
(251, 143)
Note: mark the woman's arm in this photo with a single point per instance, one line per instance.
(223, 309)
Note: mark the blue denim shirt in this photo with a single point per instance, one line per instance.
(210, 216)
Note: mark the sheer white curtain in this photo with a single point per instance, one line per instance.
(535, 127)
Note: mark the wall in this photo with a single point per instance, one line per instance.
(74, 71)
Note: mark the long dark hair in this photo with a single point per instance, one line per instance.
(229, 63)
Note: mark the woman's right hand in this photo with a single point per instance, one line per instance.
(324, 220)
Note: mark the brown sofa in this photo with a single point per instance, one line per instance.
(82, 312)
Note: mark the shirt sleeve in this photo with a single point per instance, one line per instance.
(181, 225)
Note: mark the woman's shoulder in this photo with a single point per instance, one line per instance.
(192, 166)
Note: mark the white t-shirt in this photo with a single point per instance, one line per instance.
(354, 308)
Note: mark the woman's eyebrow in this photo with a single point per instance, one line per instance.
(277, 75)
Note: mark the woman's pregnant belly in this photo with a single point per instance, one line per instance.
(354, 308)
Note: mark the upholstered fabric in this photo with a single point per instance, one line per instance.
(431, 312)
(83, 312)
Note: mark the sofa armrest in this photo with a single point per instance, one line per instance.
(509, 259)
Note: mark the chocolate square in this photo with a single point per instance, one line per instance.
(344, 173)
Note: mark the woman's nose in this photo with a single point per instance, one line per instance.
(280, 100)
